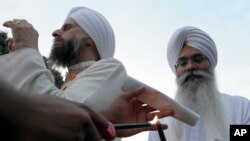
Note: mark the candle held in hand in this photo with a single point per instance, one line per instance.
(159, 128)
(160, 131)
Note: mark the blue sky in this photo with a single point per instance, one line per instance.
(143, 28)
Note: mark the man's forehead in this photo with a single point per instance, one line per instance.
(70, 21)
(189, 51)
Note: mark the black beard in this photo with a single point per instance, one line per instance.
(66, 54)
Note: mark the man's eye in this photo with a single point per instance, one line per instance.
(66, 28)
(198, 59)
(182, 63)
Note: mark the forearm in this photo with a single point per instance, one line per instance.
(26, 71)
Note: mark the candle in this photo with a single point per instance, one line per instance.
(131, 125)
(160, 131)
(159, 128)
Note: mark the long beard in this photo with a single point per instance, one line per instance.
(68, 52)
(197, 90)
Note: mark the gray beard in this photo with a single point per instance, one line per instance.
(197, 90)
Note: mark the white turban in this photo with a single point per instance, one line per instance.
(195, 38)
(97, 27)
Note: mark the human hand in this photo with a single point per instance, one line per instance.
(11, 46)
(24, 34)
(127, 109)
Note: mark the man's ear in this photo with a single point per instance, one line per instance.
(89, 43)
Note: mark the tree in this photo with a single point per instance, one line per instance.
(3, 43)
(57, 75)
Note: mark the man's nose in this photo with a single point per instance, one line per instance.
(56, 33)
(191, 66)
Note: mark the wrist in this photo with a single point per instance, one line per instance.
(25, 45)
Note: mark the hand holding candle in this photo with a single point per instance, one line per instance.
(161, 101)
(155, 121)
(128, 111)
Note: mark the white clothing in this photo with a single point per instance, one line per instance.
(97, 86)
(239, 112)
(25, 70)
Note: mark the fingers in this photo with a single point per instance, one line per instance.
(161, 114)
(15, 22)
(18, 21)
(8, 24)
(11, 46)
(154, 127)
(151, 128)
(129, 95)
(129, 132)
(24, 34)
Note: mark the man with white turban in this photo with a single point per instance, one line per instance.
(192, 56)
(85, 44)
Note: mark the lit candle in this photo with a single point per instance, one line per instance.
(159, 128)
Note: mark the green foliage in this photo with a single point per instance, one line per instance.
(3, 43)
(57, 75)
(45, 59)
(58, 78)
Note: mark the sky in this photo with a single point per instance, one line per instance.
(142, 29)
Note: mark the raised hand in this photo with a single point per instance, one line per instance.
(24, 34)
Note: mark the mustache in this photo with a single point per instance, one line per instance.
(58, 39)
(194, 76)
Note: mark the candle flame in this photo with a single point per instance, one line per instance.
(154, 120)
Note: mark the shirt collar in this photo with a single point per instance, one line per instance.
(81, 66)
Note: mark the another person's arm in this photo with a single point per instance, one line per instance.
(46, 118)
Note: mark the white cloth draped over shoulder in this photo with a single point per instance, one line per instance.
(97, 86)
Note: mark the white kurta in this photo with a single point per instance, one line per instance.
(239, 111)
(97, 86)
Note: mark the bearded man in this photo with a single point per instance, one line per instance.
(192, 56)
(85, 44)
